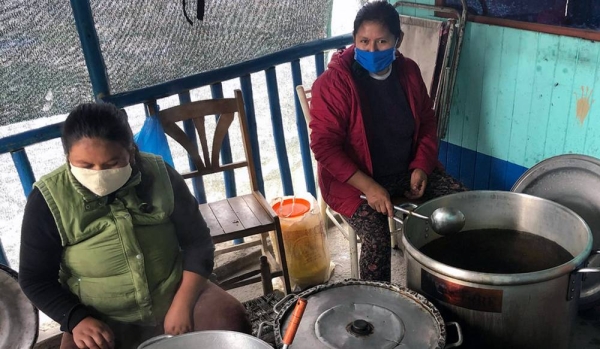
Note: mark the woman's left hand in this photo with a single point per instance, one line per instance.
(179, 319)
(418, 182)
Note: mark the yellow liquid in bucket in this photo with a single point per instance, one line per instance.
(306, 249)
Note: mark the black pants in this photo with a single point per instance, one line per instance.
(373, 227)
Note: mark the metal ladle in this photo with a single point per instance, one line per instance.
(444, 220)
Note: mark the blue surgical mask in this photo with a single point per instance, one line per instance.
(375, 61)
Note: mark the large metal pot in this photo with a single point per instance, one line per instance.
(362, 314)
(527, 310)
(206, 340)
(18, 317)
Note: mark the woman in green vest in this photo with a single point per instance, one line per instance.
(113, 246)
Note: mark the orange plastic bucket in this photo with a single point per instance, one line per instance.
(304, 240)
(291, 207)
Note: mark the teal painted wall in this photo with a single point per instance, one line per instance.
(518, 93)
(521, 97)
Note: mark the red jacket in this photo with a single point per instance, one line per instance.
(338, 138)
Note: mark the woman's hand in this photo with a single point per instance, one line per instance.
(377, 197)
(418, 182)
(93, 334)
(379, 200)
(179, 319)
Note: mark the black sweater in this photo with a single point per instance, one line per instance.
(389, 124)
(41, 253)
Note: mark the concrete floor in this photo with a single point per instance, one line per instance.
(585, 335)
(338, 247)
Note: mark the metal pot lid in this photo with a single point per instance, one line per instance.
(571, 180)
(354, 325)
(206, 340)
(362, 314)
(18, 317)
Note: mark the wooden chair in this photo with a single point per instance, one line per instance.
(240, 216)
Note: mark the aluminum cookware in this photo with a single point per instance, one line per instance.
(568, 180)
(205, 340)
(525, 310)
(362, 314)
(18, 317)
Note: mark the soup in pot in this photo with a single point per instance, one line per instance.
(498, 251)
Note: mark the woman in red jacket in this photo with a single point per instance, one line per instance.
(373, 131)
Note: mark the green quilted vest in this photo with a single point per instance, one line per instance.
(118, 259)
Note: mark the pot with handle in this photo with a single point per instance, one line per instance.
(364, 314)
(205, 340)
(534, 309)
(19, 319)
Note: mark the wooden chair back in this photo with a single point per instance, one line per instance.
(207, 158)
(305, 96)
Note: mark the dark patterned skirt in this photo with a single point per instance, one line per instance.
(373, 229)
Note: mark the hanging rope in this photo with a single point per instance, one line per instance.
(200, 8)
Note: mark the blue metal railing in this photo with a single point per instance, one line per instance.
(181, 87)
(90, 45)
(84, 21)
(16, 144)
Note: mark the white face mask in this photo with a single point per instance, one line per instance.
(102, 182)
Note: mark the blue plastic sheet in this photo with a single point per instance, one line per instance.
(152, 139)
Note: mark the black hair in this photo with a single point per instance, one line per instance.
(381, 12)
(104, 121)
(97, 120)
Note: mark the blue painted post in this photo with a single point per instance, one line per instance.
(320, 63)
(84, 22)
(27, 179)
(309, 175)
(278, 135)
(246, 85)
(21, 140)
(190, 131)
(23, 169)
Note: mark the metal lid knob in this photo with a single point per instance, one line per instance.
(361, 327)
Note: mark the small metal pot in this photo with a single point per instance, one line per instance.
(364, 314)
(205, 340)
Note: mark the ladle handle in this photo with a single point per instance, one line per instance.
(403, 210)
(290, 333)
(410, 213)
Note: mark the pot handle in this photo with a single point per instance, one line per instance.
(405, 206)
(590, 270)
(260, 328)
(283, 301)
(154, 340)
(459, 341)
